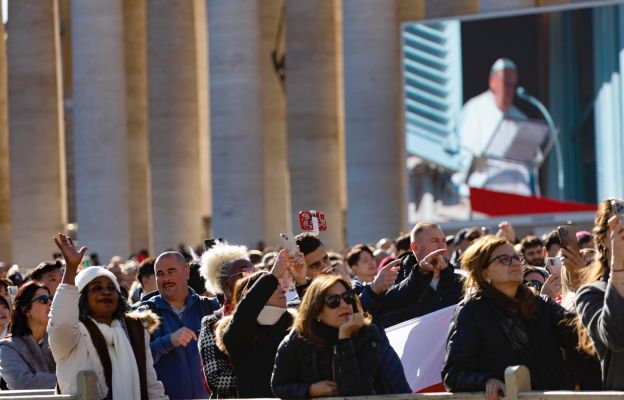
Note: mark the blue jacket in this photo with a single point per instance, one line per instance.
(179, 368)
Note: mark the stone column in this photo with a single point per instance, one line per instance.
(5, 192)
(173, 121)
(100, 127)
(375, 156)
(276, 188)
(135, 52)
(36, 130)
(236, 121)
(312, 109)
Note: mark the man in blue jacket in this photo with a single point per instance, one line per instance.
(174, 343)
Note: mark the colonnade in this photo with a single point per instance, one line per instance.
(178, 126)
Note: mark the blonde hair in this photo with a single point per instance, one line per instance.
(214, 261)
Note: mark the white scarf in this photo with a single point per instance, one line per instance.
(270, 315)
(125, 374)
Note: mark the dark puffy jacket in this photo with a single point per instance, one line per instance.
(485, 338)
(448, 292)
(252, 346)
(352, 363)
(601, 309)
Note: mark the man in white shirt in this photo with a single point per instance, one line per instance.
(479, 121)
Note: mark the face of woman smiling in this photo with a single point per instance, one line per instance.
(102, 298)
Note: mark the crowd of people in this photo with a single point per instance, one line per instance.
(230, 322)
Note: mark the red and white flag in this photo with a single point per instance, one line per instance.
(421, 346)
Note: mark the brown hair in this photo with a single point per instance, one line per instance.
(312, 304)
(21, 304)
(241, 288)
(597, 269)
(476, 259)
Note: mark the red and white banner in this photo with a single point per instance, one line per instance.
(421, 346)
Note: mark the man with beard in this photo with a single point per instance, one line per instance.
(532, 249)
(174, 343)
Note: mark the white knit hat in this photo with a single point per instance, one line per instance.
(90, 273)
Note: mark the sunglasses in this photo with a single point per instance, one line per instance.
(333, 300)
(534, 283)
(245, 272)
(43, 299)
(507, 259)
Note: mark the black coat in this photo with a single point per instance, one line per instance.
(448, 292)
(351, 363)
(252, 346)
(485, 338)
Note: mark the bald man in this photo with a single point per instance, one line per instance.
(174, 343)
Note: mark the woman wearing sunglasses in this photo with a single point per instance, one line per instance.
(333, 349)
(90, 330)
(502, 323)
(259, 322)
(26, 361)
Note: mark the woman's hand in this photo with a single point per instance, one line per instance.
(72, 256)
(492, 389)
(573, 263)
(353, 324)
(323, 389)
(552, 286)
(281, 264)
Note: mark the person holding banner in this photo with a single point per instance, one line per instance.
(333, 349)
(503, 323)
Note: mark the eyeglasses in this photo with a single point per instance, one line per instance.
(43, 299)
(534, 283)
(474, 236)
(333, 300)
(507, 259)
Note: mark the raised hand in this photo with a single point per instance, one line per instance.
(298, 268)
(72, 257)
(353, 324)
(280, 266)
(386, 277)
(434, 262)
(617, 254)
(552, 286)
(506, 231)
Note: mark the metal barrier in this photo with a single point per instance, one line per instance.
(87, 390)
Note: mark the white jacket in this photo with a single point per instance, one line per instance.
(73, 349)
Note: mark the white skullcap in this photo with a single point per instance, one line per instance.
(90, 273)
(501, 64)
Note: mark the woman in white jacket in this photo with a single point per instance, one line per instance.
(90, 329)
